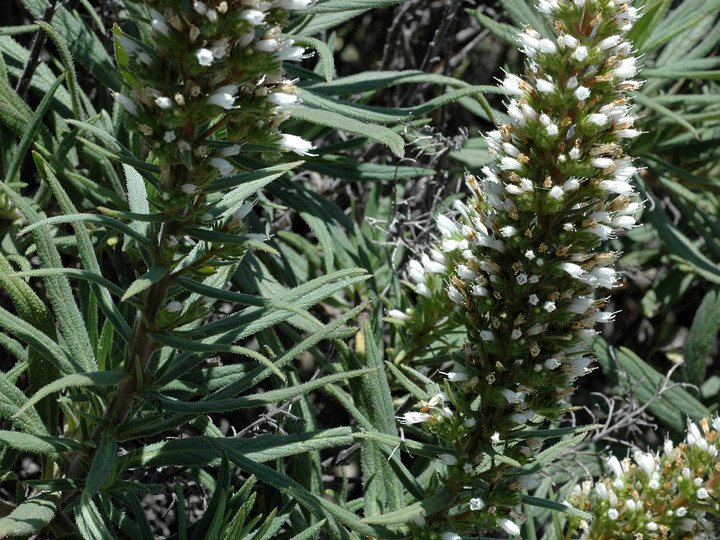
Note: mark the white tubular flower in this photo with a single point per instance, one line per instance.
(223, 97)
(173, 307)
(399, 315)
(200, 7)
(416, 417)
(205, 57)
(291, 54)
(126, 103)
(295, 5)
(222, 165)
(159, 23)
(293, 143)
(163, 102)
(281, 99)
(270, 45)
(509, 526)
(253, 16)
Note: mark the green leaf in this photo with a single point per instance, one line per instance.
(76, 380)
(373, 132)
(31, 131)
(70, 321)
(41, 341)
(318, 505)
(155, 274)
(102, 465)
(372, 172)
(209, 405)
(38, 444)
(327, 61)
(556, 506)
(196, 451)
(11, 400)
(330, 6)
(89, 218)
(85, 249)
(29, 517)
(90, 521)
(703, 334)
(67, 60)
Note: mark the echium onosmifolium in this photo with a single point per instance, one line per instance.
(521, 262)
(673, 493)
(210, 67)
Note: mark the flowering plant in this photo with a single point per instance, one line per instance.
(521, 262)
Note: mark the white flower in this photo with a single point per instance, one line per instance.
(212, 15)
(163, 102)
(571, 268)
(415, 417)
(451, 536)
(173, 307)
(513, 84)
(455, 295)
(200, 7)
(297, 5)
(291, 54)
(281, 99)
(204, 57)
(610, 42)
(228, 151)
(126, 103)
(222, 165)
(545, 86)
(448, 459)
(508, 231)
(509, 527)
(613, 514)
(399, 315)
(598, 119)
(293, 143)
(253, 16)
(547, 46)
(581, 53)
(702, 493)
(487, 335)
(476, 503)
(158, 22)
(582, 93)
(614, 464)
(223, 96)
(169, 136)
(188, 189)
(268, 45)
(602, 162)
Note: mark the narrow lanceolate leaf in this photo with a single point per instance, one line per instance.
(30, 134)
(703, 334)
(37, 444)
(32, 336)
(67, 314)
(76, 380)
(155, 274)
(11, 400)
(373, 132)
(85, 248)
(90, 521)
(209, 405)
(29, 517)
(67, 60)
(102, 465)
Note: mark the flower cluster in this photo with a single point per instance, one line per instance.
(208, 85)
(214, 68)
(519, 261)
(671, 493)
